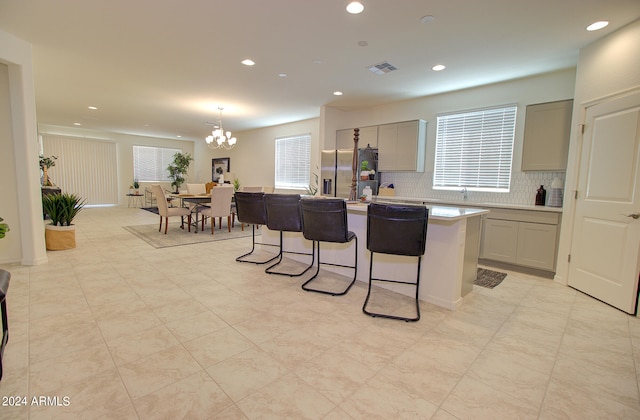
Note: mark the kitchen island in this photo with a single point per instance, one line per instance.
(448, 267)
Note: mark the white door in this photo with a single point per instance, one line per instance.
(606, 239)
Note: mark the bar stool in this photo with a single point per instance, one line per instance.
(5, 276)
(283, 214)
(396, 230)
(325, 220)
(251, 210)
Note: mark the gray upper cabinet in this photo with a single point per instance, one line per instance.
(546, 136)
(401, 146)
(366, 136)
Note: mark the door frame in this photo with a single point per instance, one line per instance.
(572, 179)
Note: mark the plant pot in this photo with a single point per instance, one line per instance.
(372, 177)
(58, 238)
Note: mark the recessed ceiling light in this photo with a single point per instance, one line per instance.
(93, 107)
(282, 74)
(438, 67)
(337, 93)
(355, 7)
(597, 25)
(76, 123)
(426, 19)
(179, 136)
(248, 62)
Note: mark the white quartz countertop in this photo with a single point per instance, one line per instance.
(435, 212)
(437, 202)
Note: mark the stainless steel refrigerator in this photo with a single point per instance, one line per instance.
(336, 173)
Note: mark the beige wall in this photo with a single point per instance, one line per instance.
(22, 203)
(253, 158)
(606, 67)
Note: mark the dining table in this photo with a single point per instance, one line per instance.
(198, 200)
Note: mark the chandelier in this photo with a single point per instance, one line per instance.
(218, 138)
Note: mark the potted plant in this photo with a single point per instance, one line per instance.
(372, 174)
(45, 164)
(61, 209)
(4, 228)
(364, 170)
(178, 169)
(136, 186)
(236, 185)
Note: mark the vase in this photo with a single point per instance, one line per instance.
(58, 238)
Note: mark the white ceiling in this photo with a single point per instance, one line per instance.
(163, 67)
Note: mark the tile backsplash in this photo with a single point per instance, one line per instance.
(523, 187)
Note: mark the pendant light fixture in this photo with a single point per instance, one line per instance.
(219, 139)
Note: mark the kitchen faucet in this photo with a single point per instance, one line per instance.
(465, 193)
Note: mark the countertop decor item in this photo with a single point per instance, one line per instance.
(555, 196)
(541, 195)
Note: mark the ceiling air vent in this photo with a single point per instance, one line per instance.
(382, 68)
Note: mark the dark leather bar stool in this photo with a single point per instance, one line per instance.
(252, 210)
(325, 220)
(283, 214)
(396, 230)
(5, 276)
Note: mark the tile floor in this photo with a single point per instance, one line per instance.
(117, 329)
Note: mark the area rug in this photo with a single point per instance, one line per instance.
(178, 237)
(489, 278)
(151, 209)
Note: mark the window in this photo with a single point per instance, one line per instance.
(150, 163)
(293, 160)
(474, 149)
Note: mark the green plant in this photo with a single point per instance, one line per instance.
(136, 184)
(47, 162)
(364, 165)
(62, 208)
(312, 189)
(236, 185)
(4, 228)
(178, 169)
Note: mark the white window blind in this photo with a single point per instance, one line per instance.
(86, 167)
(293, 160)
(474, 149)
(150, 163)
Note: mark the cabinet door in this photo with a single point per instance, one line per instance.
(406, 146)
(387, 146)
(368, 136)
(546, 136)
(499, 240)
(344, 139)
(537, 245)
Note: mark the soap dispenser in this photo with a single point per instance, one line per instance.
(541, 194)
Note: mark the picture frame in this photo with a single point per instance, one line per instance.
(218, 166)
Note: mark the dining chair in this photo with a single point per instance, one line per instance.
(165, 211)
(396, 230)
(196, 189)
(220, 206)
(325, 220)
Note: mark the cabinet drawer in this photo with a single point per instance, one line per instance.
(531, 216)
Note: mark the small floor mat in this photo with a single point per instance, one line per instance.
(489, 278)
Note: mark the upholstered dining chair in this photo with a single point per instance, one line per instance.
(220, 206)
(165, 211)
(196, 189)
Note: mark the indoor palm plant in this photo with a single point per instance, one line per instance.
(4, 228)
(178, 169)
(61, 209)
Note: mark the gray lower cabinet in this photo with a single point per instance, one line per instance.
(521, 237)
